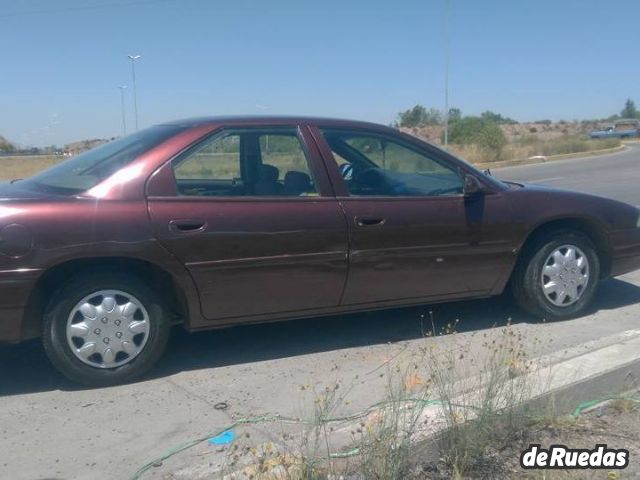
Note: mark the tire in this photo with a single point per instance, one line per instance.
(537, 267)
(111, 311)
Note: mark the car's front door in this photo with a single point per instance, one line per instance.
(413, 234)
(253, 218)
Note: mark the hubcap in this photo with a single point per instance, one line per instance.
(565, 275)
(107, 328)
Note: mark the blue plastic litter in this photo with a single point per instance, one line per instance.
(222, 439)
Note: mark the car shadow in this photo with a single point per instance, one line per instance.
(24, 367)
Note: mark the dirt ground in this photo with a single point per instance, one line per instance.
(616, 424)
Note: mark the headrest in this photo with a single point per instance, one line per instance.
(297, 181)
(268, 173)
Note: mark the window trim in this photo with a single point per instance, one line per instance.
(312, 162)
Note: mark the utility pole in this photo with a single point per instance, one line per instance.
(446, 72)
(124, 117)
(133, 59)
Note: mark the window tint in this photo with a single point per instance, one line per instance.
(254, 162)
(378, 165)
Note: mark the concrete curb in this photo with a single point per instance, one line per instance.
(551, 158)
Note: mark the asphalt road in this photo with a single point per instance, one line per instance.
(52, 429)
(616, 175)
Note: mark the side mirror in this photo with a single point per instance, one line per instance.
(471, 186)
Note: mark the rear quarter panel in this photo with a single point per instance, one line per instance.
(63, 230)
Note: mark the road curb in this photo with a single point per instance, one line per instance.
(598, 374)
(551, 158)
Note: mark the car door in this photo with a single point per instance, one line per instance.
(251, 215)
(413, 233)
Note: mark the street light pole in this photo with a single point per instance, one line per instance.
(446, 73)
(133, 59)
(124, 118)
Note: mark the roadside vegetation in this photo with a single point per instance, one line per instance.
(438, 420)
(531, 146)
(492, 137)
(451, 412)
(23, 166)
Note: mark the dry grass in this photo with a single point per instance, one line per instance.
(24, 166)
(532, 145)
(426, 392)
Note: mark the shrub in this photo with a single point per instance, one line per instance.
(6, 146)
(497, 118)
(419, 115)
(480, 131)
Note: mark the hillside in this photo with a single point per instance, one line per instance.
(541, 131)
(76, 148)
(525, 140)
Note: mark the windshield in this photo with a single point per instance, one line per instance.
(85, 171)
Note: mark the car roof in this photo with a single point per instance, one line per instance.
(250, 120)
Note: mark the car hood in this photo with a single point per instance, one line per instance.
(561, 203)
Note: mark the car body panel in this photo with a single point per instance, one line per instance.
(423, 246)
(258, 255)
(264, 259)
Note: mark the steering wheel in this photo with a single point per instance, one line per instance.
(346, 170)
(373, 181)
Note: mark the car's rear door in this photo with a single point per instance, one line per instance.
(251, 214)
(413, 234)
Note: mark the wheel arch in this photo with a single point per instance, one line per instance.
(593, 229)
(49, 282)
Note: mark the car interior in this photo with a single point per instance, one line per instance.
(364, 176)
(253, 175)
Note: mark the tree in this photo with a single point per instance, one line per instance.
(496, 117)
(480, 131)
(418, 116)
(6, 146)
(412, 117)
(455, 114)
(629, 110)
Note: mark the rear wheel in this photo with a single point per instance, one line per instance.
(105, 329)
(558, 277)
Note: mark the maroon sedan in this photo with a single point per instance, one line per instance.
(214, 222)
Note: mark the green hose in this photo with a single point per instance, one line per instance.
(276, 418)
(591, 403)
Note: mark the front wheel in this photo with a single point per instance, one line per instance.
(105, 329)
(559, 276)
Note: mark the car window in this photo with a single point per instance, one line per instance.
(218, 159)
(87, 170)
(373, 164)
(252, 162)
(282, 154)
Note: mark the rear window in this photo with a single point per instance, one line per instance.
(87, 170)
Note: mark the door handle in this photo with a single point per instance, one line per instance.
(187, 225)
(369, 221)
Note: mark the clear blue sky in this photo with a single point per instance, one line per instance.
(366, 59)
